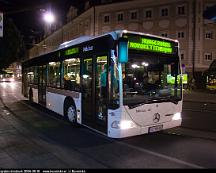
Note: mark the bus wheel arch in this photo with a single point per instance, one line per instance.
(70, 111)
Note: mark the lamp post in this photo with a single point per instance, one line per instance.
(49, 19)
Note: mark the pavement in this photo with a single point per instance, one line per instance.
(199, 96)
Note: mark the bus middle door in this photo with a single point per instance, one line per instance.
(42, 85)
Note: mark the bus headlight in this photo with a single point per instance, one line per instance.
(125, 124)
(176, 116)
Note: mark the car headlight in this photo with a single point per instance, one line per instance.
(176, 116)
(125, 124)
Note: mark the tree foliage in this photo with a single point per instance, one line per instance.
(12, 47)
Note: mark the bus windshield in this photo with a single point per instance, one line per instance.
(151, 78)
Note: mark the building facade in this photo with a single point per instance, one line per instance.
(180, 19)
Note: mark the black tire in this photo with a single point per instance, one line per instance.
(70, 112)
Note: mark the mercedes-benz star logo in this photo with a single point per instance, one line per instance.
(156, 117)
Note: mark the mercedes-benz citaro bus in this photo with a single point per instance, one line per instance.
(120, 84)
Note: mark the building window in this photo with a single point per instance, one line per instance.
(106, 18)
(164, 34)
(164, 12)
(133, 15)
(120, 17)
(208, 56)
(148, 13)
(180, 35)
(209, 35)
(181, 10)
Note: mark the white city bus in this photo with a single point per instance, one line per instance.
(120, 84)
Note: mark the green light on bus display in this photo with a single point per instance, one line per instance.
(147, 44)
(71, 51)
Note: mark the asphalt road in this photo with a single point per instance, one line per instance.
(33, 137)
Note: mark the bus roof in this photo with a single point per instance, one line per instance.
(115, 35)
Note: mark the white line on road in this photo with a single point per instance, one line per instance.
(172, 159)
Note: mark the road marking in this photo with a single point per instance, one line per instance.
(172, 159)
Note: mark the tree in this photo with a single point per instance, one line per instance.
(12, 47)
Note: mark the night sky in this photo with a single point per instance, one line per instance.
(27, 14)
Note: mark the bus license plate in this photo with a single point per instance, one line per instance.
(155, 128)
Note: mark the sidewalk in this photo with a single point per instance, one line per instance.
(199, 96)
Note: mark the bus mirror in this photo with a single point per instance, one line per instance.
(123, 50)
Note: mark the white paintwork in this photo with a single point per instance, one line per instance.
(75, 41)
(143, 120)
(35, 95)
(78, 107)
(55, 102)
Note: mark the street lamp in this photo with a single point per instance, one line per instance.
(49, 17)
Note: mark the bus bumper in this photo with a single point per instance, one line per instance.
(122, 133)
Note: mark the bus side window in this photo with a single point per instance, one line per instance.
(71, 74)
(54, 74)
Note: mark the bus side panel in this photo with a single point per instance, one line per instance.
(55, 102)
(35, 95)
(78, 108)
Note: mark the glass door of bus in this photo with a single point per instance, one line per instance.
(42, 85)
(94, 92)
(101, 92)
(87, 92)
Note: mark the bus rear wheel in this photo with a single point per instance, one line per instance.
(71, 114)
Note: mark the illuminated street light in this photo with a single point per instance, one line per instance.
(49, 17)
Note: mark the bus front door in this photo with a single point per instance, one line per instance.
(42, 85)
(94, 93)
